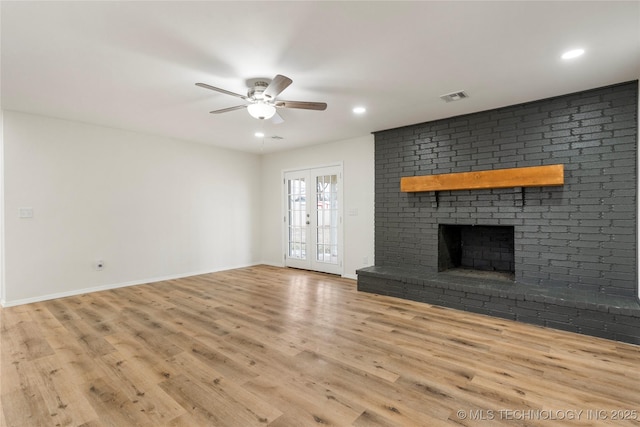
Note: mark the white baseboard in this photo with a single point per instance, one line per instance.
(275, 264)
(271, 264)
(75, 292)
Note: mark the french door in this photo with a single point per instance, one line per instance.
(313, 219)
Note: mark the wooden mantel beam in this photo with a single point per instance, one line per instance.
(535, 176)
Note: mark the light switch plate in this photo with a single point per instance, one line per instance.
(25, 213)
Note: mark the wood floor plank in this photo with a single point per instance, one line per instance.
(275, 347)
(25, 407)
(3, 422)
(31, 341)
(64, 400)
(210, 357)
(149, 362)
(74, 357)
(149, 338)
(220, 402)
(112, 405)
(393, 401)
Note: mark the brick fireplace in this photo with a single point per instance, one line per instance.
(571, 261)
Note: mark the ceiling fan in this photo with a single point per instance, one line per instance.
(261, 98)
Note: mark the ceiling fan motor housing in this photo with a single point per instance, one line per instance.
(257, 91)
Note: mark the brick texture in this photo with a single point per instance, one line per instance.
(580, 235)
(579, 238)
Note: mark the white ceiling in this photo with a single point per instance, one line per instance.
(133, 65)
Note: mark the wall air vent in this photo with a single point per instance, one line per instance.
(454, 96)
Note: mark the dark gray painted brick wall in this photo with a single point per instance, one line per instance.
(575, 245)
(580, 235)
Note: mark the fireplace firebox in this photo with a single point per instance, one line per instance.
(476, 249)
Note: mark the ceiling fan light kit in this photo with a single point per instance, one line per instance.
(262, 99)
(261, 110)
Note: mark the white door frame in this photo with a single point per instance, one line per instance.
(310, 263)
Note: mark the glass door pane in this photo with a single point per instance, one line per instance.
(327, 219)
(297, 215)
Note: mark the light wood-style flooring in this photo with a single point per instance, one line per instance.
(266, 346)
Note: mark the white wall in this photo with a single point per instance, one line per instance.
(150, 207)
(357, 156)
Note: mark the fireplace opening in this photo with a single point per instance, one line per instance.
(477, 250)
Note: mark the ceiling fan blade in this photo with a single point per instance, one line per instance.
(277, 119)
(277, 85)
(217, 89)
(320, 106)
(224, 110)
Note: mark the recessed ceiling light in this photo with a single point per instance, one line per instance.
(259, 134)
(570, 54)
(359, 110)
